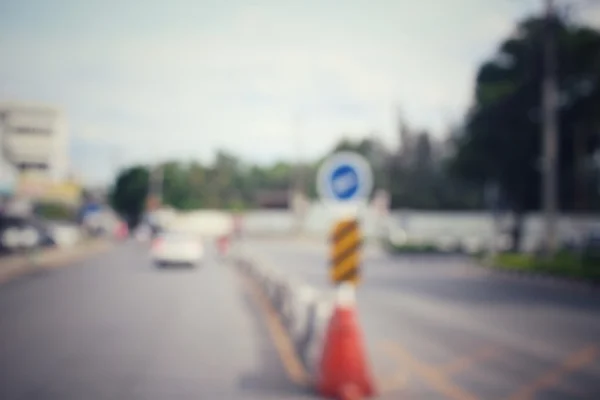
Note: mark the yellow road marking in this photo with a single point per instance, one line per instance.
(436, 379)
(465, 362)
(551, 378)
(282, 341)
(395, 382)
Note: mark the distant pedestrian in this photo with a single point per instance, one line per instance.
(122, 231)
(223, 245)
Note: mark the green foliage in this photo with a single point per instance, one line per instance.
(565, 264)
(414, 248)
(55, 211)
(228, 183)
(502, 139)
(129, 193)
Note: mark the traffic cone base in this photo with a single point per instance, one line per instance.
(344, 370)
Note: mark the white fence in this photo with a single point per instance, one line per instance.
(470, 229)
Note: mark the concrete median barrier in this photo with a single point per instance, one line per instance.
(323, 310)
(300, 305)
(302, 310)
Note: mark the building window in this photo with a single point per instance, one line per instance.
(33, 166)
(31, 130)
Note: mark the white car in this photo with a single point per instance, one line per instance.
(177, 249)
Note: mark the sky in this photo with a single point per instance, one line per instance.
(144, 81)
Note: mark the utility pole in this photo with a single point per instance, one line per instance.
(550, 131)
(298, 186)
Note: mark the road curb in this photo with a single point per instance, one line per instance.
(47, 259)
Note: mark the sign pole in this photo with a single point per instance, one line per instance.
(346, 243)
(344, 183)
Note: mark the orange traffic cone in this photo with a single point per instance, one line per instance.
(344, 373)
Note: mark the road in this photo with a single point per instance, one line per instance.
(441, 328)
(115, 327)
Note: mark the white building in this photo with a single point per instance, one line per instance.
(35, 139)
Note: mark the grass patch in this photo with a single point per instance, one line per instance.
(565, 264)
(414, 248)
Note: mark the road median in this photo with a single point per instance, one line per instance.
(20, 264)
(300, 310)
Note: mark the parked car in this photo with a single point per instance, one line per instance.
(173, 248)
(65, 233)
(18, 232)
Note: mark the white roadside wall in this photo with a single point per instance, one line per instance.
(204, 222)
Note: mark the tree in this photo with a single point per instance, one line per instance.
(225, 170)
(424, 152)
(228, 183)
(128, 196)
(501, 141)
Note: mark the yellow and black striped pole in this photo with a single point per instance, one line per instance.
(346, 242)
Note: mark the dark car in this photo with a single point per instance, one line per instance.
(22, 224)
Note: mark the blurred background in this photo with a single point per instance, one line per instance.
(193, 130)
(481, 128)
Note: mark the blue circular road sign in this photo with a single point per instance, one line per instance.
(345, 177)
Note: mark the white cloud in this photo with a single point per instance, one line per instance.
(242, 82)
(589, 13)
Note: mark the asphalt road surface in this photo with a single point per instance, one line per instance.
(441, 328)
(116, 327)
